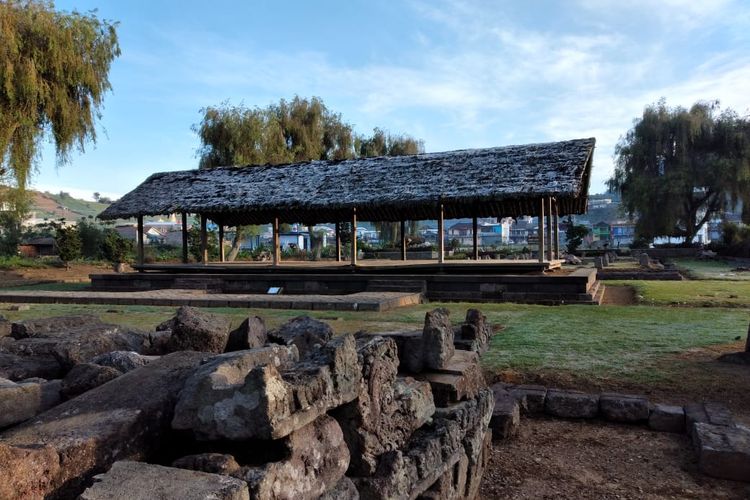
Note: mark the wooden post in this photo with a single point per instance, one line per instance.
(550, 246)
(441, 236)
(354, 236)
(184, 238)
(276, 246)
(540, 230)
(338, 242)
(139, 239)
(475, 236)
(403, 240)
(204, 239)
(221, 242)
(557, 230)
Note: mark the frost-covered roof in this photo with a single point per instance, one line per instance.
(492, 182)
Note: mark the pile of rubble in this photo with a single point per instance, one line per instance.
(103, 412)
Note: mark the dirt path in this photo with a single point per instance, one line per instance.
(29, 276)
(618, 295)
(593, 460)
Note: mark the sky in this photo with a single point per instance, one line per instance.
(457, 74)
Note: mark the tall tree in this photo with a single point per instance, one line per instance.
(677, 168)
(54, 71)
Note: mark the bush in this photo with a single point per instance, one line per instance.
(68, 243)
(115, 248)
(92, 239)
(735, 240)
(575, 235)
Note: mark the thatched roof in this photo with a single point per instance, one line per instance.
(493, 182)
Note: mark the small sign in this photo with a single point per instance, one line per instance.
(275, 290)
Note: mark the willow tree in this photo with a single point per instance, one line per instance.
(676, 169)
(54, 71)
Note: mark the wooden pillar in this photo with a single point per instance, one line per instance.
(354, 236)
(139, 239)
(184, 238)
(475, 237)
(204, 239)
(441, 236)
(556, 240)
(540, 230)
(338, 242)
(403, 240)
(276, 246)
(221, 242)
(550, 246)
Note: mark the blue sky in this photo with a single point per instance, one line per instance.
(457, 74)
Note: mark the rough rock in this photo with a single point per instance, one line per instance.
(43, 327)
(316, 459)
(27, 472)
(251, 334)
(126, 418)
(709, 413)
(460, 379)
(306, 333)
(667, 418)
(51, 394)
(387, 410)
(211, 402)
(142, 481)
(533, 395)
(18, 402)
(623, 407)
(18, 367)
(571, 404)
(5, 326)
(476, 329)
(437, 339)
(723, 451)
(214, 463)
(343, 490)
(194, 330)
(735, 358)
(409, 345)
(82, 345)
(86, 376)
(506, 415)
(123, 361)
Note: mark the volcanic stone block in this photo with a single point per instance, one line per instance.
(80, 346)
(723, 451)
(126, 418)
(571, 404)
(214, 463)
(387, 410)
(409, 346)
(18, 402)
(59, 325)
(437, 339)
(317, 458)
(27, 472)
(251, 334)
(709, 413)
(476, 329)
(343, 490)
(141, 481)
(303, 331)
(123, 361)
(5, 327)
(195, 330)
(18, 367)
(460, 379)
(623, 407)
(208, 403)
(506, 416)
(86, 376)
(534, 395)
(666, 418)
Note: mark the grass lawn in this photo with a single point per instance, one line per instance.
(710, 270)
(693, 293)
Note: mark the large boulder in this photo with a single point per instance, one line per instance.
(127, 418)
(17, 367)
(141, 481)
(306, 333)
(209, 405)
(316, 460)
(251, 334)
(723, 451)
(54, 326)
(27, 472)
(123, 361)
(18, 402)
(194, 330)
(86, 376)
(437, 339)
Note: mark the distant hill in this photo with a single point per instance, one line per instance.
(61, 205)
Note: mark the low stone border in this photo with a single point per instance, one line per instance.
(722, 445)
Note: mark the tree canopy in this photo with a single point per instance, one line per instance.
(54, 71)
(676, 169)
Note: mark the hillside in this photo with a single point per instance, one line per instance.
(61, 205)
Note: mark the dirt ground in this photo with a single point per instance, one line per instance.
(618, 295)
(77, 273)
(594, 460)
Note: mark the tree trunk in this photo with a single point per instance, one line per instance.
(236, 242)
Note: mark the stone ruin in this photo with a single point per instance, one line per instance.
(98, 411)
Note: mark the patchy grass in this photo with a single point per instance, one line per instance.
(698, 293)
(15, 262)
(710, 270)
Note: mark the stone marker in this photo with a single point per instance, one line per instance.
(506, 416)
(194, 330)
(141, 481)
(623, 408)
(571, 404)
(437, 339)
(723, 451)
(303, 331)
(251, 334)
(644, 260)
(599, 263)
(666, 418)
(534, 395)
(475, 332)
(86, 376)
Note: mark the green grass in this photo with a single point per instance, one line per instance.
(15, 262)
(82, 208)
(710, 270)
(698, 293)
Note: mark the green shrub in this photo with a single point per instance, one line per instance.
(115, 248)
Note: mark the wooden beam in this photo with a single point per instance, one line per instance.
(338, 242)
(475, 237)
(550, 246)
(441, 235)
(557, 230)
(184, 238)
(403, 239)
(540, 230)
(221, 242)
(204, 239)
(276, 245)
(139, 239)
(354, 236)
